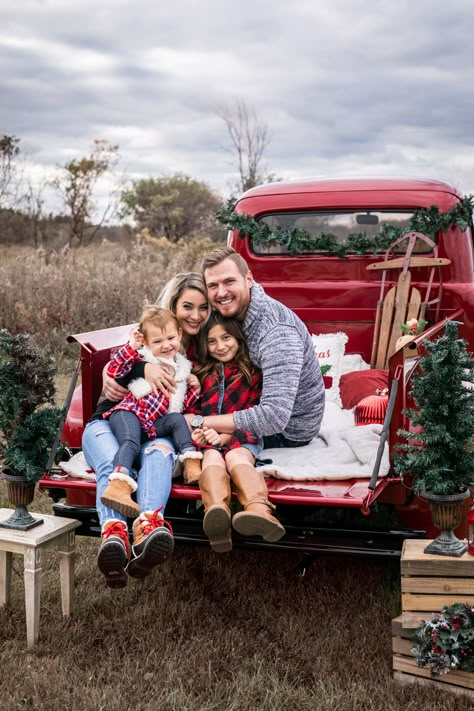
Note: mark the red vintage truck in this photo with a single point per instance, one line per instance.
(339, 253)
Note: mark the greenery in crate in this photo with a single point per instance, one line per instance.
(440, 457)
(447, 640)
(28, 418)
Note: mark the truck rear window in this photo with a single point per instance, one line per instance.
(340, 224)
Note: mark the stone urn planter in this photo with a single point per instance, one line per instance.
(20, 494)
(446, 514)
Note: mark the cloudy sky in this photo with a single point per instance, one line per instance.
(346, 87)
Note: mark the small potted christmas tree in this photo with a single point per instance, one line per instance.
(28, 421)
(438, 455)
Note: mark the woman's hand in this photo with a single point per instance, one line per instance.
(160, 378)
(111, 389)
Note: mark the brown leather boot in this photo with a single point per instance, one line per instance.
(256, 519)
(118, 493)
(215, 494)
(191, 466)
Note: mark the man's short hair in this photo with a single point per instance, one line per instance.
(218, 255)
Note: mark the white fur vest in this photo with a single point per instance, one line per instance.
(181, 368)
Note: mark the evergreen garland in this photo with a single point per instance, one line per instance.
(28, 420)
(447, 640)
(441, 457)
(297, 241)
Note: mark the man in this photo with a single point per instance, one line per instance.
(292, 403)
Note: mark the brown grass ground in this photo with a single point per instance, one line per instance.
(236, 632)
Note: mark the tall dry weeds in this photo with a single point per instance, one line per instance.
(51, 295)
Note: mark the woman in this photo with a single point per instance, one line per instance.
(185, 295)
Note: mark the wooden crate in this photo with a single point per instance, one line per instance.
(428, 583)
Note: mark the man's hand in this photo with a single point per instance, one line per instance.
(160, 378)
(111, 389)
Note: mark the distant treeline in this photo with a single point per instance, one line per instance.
(176, 206)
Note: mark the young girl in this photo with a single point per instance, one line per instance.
(229, 382)
(145, 413)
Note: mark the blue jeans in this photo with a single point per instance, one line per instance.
(154, 476)
(127, 429)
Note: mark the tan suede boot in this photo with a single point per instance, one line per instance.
(117, 495)
(214, 484)
(191, 466)
(256, 519)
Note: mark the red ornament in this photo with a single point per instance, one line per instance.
(371, 410)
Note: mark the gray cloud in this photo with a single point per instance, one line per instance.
(345, 88)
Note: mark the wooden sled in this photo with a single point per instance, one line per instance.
(403, 302)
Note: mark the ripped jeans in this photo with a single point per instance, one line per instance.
(154, 476)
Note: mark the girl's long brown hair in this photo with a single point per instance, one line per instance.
(206, 364)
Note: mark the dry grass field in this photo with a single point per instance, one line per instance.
(74, 291)
(235, 632)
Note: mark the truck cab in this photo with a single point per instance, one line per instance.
(333, 293)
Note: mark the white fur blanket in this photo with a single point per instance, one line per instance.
(340, 451)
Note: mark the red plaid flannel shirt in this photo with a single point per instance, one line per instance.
(150, 407)
(238, 395)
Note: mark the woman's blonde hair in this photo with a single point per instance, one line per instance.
(173, 289)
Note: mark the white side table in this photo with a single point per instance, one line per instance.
(54, 532)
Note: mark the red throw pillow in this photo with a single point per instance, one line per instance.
(358, 384)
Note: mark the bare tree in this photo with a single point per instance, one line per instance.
(76, 186)
(249, 140)
(33, 208)
(9, 152)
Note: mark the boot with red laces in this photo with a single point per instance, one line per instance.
(152, 544)
(114, 553)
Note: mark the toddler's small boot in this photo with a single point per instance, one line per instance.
(191, 466)
(153, 543)
(114, 553)
(117, 495)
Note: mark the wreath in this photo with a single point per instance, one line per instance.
(447, 640)
(297, 240)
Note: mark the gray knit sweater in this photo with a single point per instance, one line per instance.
(292, 401)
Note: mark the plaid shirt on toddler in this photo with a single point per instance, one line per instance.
(151, 407)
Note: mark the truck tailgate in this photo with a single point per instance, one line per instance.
(354, 493)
